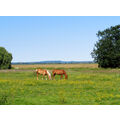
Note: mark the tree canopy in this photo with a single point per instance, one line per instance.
(5, 58)
(107, 49)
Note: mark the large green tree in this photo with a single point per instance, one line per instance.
(5, 58)
(107, 49)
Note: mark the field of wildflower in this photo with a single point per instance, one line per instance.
(85, 86)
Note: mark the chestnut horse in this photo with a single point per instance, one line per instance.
(43, 72)
(59, 72)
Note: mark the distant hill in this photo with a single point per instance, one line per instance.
(54, 62)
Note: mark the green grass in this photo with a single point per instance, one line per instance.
(85, 86)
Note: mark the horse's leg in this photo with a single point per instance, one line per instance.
(42, 77)
(37, 76)
(53, 76)
(46, 77)
(61, 77)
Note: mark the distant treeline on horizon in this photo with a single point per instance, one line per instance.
(54, 62)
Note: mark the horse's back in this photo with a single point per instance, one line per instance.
(41, 71)
(58, 71)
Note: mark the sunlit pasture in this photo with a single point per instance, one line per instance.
(85, 86)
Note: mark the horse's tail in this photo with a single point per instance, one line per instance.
(66, 76)
(36, 70)
(49, 75)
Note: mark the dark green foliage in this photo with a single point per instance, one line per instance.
(3, 100)
(5, 59)
(107, 50)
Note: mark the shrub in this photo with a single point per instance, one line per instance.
(107, 49)
(5, 59)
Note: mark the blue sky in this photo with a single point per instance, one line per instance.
(39, 38)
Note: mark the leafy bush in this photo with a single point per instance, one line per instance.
(5, 58)
(107, 50)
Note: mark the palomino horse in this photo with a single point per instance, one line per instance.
(59, 72)
(44, 73)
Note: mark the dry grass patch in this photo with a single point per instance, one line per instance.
(57, 66)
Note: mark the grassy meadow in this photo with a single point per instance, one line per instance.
(86, 85)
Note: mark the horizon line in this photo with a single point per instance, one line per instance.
(54, 61)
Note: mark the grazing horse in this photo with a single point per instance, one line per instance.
(59, 72)
(43, 72)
